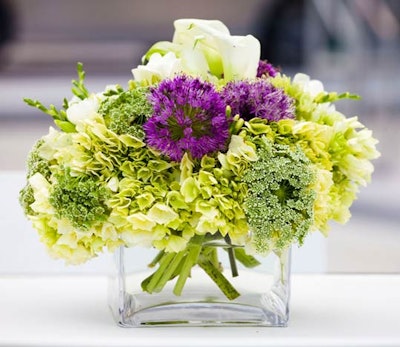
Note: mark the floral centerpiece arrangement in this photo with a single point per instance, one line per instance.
(206, 144)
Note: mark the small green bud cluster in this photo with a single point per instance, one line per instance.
(279, 204)
(127, 111)
(80, 199)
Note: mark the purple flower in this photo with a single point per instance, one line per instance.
(265, 68)
(189, 116)
(258, 99)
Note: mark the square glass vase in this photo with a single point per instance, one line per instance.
(263, 301)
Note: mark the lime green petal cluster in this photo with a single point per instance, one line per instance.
(97, 150)
(68, 190)
(138, 178)
(164, 205)
(280, 202)
(347, 147)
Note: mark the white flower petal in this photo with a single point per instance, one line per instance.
(83, 109)
(314, 87)
(240, 56)
(159, 67)
(188, 29)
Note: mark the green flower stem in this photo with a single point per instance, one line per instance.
(212, 253)
(156, 259)
(169, 272)
(171, 265)
(232, 259)
(191, 258)
(247, 260)
(156, 276)
(220, 280)
(146, 282)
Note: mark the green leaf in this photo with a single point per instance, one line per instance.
(333, 96)
(60, 116)
(115, 91)
(247, 260)
(65, 126)
(65, 104)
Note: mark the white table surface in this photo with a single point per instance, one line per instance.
(326, 310)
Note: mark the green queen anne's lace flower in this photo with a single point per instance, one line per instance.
(81, 200)
(35, 164)
(125, 112)
(279, 205)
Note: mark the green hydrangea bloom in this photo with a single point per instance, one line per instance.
(97, 150)
(192, 198)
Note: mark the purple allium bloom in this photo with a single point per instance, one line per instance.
(265, 68)
(189, 116)
(258, 99)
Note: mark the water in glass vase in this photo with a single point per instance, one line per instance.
(253, 294)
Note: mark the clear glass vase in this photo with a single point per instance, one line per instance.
(263, 301)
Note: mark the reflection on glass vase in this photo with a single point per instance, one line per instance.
(236, 290)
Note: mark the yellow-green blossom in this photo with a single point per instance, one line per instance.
(341, 145)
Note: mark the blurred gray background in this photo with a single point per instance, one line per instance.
(351, 45)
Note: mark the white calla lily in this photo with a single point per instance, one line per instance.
(240, 56)
(187, 29)
(228, 57)
(202, 48)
